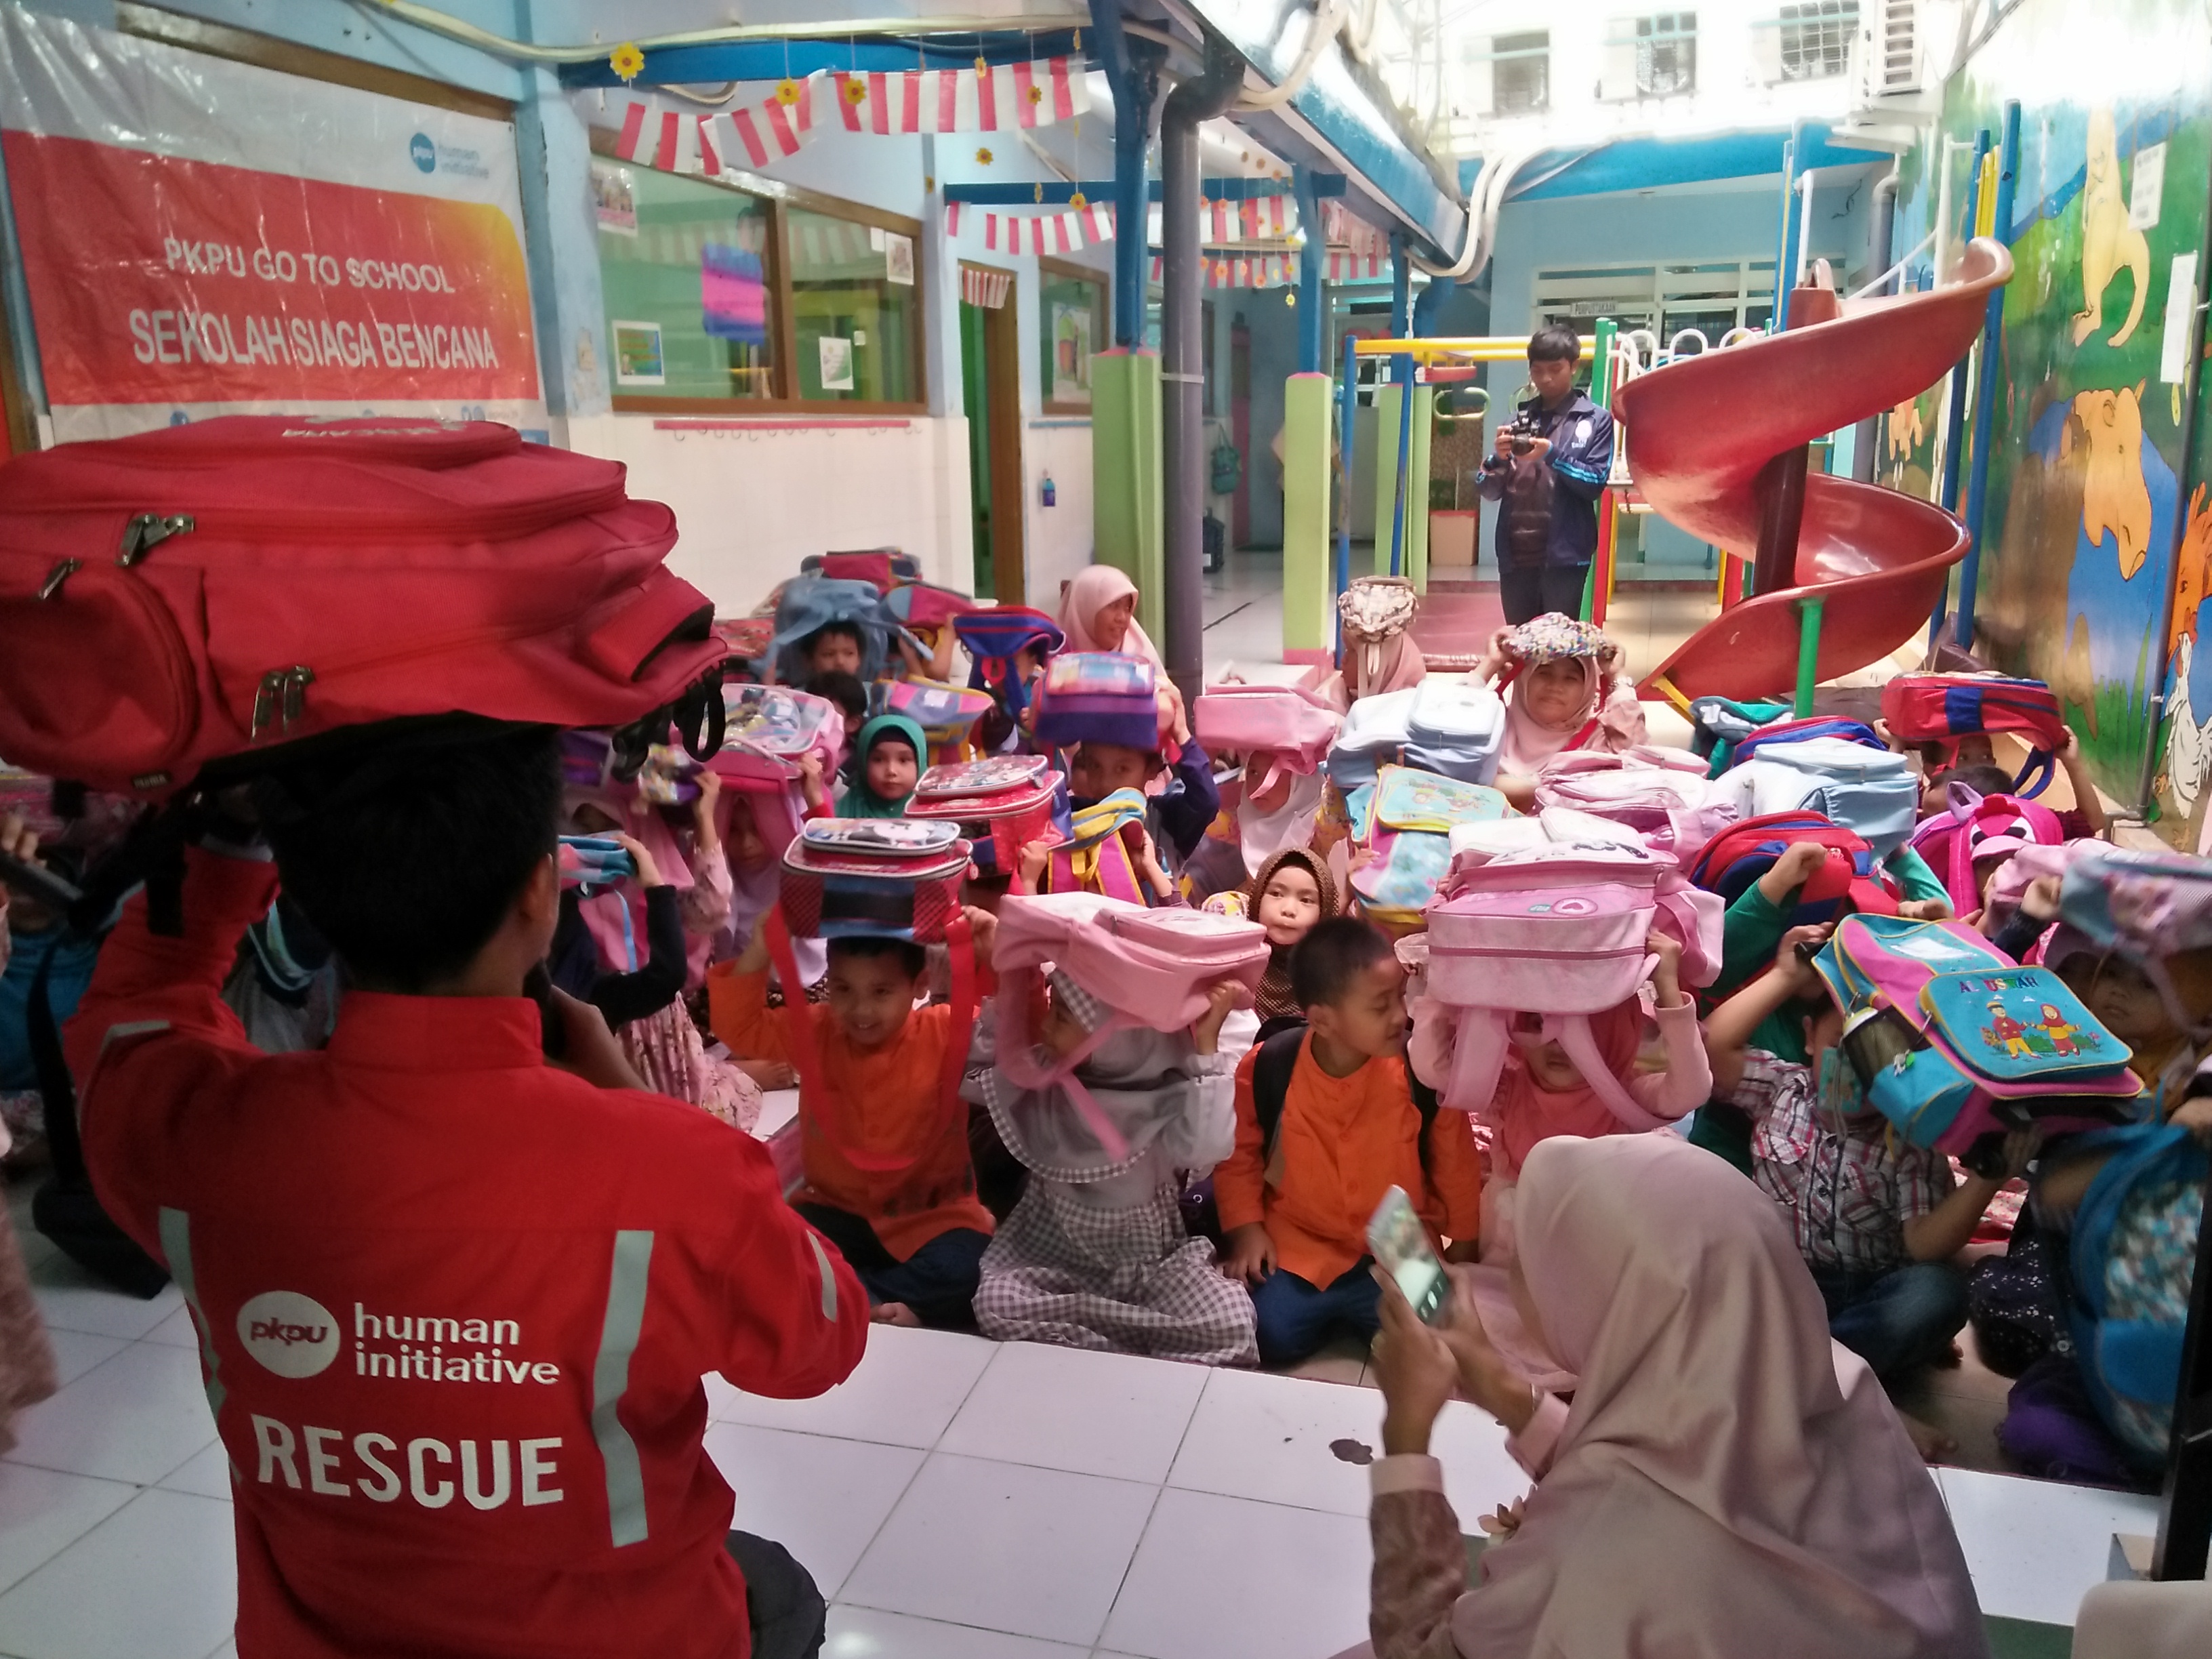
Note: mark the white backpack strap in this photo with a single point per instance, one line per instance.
(1572, 1032)
(1018, 1059)
(1477, 1058)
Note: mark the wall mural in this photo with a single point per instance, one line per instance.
(2085, 488)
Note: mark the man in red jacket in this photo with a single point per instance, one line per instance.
(453, 1303)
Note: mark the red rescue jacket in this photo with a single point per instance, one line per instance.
(453, 1306)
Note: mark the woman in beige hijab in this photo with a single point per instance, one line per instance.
(1726, 1482)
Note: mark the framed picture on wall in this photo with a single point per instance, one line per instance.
(898, 259)
(614, 199)
(638, 360)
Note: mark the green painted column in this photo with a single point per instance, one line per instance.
(1127, 520)
(1416, 470)
(1308, 408)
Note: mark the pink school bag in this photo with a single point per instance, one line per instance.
(1954, 1043)
(1557, 931)
(1667, 801)
(1151, 967)
(1292, 726)
(1980, 826)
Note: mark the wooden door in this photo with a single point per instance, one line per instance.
(1002, 390)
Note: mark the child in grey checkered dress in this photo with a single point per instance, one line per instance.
(1095, 1255)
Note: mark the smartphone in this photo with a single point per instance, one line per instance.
(1400, 1243)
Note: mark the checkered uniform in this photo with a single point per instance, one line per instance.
(1849, 1185)
(1097, 1256)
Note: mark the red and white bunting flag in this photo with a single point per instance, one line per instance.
(991, 231)
(1066, 235)
(1221, 231)
(710, 155)
(1101, 216)
(633, 130)
(687, 145)
(1248, 217)
(952, 217)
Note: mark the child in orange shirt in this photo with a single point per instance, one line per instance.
(888, 1177)
(1295, 1204)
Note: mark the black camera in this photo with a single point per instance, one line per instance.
(1521, 429)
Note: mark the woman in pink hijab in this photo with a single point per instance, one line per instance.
(1564, 688)
(1098, 612)
(1727, 1481)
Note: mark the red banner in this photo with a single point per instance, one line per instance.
(156, 280)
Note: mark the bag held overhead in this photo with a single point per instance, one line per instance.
(207, 591)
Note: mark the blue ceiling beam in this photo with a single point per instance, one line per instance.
(772, 60)
(1335, 122)
(1625, 164)
(1102, 190)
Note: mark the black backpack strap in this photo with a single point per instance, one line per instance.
(1427, 1103)
(1277, 1057)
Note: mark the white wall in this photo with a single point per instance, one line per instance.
(750, 504)
(1058, 538)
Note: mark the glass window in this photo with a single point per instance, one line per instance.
(1072, 319)
(1816, 37)
(1667, 53)
(682, 267)
(1521, 73)
(856, 310)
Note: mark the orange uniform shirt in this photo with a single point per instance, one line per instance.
(1343, 1142)
(876, 1142)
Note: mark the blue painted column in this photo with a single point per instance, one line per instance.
(1313, 298)
(1347, 415)
(1132, 70)
(1954, 419)
(1785, 244)
(1985, 394)
(1401, 373)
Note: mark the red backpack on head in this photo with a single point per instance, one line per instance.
(206, 593)
(1943, 708)
(1733, 859)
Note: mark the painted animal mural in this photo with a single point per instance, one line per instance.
(2109, 243)
(2115, 497)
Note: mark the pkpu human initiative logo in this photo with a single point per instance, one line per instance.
(291, 1334)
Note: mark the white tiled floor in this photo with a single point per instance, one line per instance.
(955, 1499)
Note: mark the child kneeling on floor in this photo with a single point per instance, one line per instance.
(1877, 1219)
(1296, 1194)
(888, 1177)
(1095, 1254)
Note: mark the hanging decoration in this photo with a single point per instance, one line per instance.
(1356, 267)
(1346, 229)
(986, 289)
(1065, 230)
(987, 98)
(691, 140)
(1243, 271)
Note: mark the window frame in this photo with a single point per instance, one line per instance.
(1649, 37)
(1101, 320)
(1539, 55)
(1812, 18)
(778, 199)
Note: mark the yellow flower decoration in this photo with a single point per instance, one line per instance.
(627, 61)
(856, 90)
(1079, 200)
(1036, 94)
(787, 92)
(981, 67)
(983, 158)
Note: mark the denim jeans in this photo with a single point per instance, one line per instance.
(1295, 1318)
(1896, 1319)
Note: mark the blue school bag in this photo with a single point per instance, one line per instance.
(1717, 725)
(1866, 789)
(809, 603)
(1454, 729)
(2136, 1360)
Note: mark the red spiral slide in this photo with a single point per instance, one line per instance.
(1702, 431)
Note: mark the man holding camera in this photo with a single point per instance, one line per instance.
(1547, 470)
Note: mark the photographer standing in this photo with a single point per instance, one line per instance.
(1548, 468)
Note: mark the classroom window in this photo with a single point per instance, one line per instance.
(684, 270)
(1071, 326)
(855, 312)
(1816, 39)
(1667, 53)
(1521, 73)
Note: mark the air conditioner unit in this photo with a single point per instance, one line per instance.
(1890, 63)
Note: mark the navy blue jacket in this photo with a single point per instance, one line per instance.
(1581, 458)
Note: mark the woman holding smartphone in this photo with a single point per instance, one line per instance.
(1725, 1481)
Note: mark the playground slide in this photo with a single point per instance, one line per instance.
(1700, 430)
